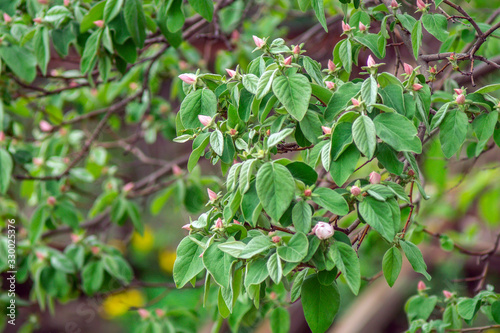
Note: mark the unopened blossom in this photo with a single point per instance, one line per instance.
(40, 256)
(143, 313)
(288, 61)
(37, 20)
(296, 49)
(45, 126)
(128, 187)
(323, 230)
(259, 42)
(205, 120)
(355, 102)
(375, 178)
(346, 27)
(188, 78)
(99, 23)
(176, 170)
(394, 4)
(421, 286)
(51, 201)
(95, 250)
(432, 70)
(307, 192)
(326, 130)
(211, 195)
(37, 161)
(75, 238)
(233, 132)
(408, 69)
(186, 227)
(460, 99)
(458, 91)
(421, 5)
(361, 27)
(417, 86)
(218, 223)
(230, 72)
(43, 2)
(2, 136)
(236, 222)
(330, 85)
(276, 239)
(355, 190)
(160, 313)
(7, 18)
(66, 3)
(447, 294)
(370, 62)
(331, 66)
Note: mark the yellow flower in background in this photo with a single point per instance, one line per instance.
(143, 243)
(118, 304)
(166, 260)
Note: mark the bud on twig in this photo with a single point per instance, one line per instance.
(276, 239)
(330, 85)
(307, 192)
(460, 99)
(7, 18)
(417, 86)
(66, 3)
(128, 187)
(421, 286)
(259, 42)
(211, 195)
(37, 20)
(288, 61)
(188, 78)
(331, 66)
(355, 191)
(323, 230)
(408, 69)
(375, 178)
(394, 4)
(362, 27)
(99, 23)
(176, 170)
(218, 223)
(355, 102)
(447, 294)
(186, 227)
(51, 201)
(143, 313)
(458, 91)
(296, 49)
(45, 126)
(205, 120)
(370, 62)
(160, 313)
(326, 130)
(2, 136)
(346, 27)
(230, 72)
(421, 5)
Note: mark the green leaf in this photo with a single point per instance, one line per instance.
(320, 303)
(369, 91)
(294, 92)
(118, 268)
(363, 131)
(451, 317)
(200, 102)
(407, 21)
(346, 261)
(203, 7)
(295, 250)
(297, 284)
(265, 83)
(90, 52)
(340, 139)
(391, 265)
(371, 41)
(344, 166)
(276, 138)
(256, 272)
(439, 116)
(345, 54)
(279, 320)
(135, 21)
(453, 131)
(468, 307)
(420, 307)
(397, 131)
(250, 82)
(175, 16)
(188, 262)
(275, 188)
(257, 245)
(416, 38)
(20, 60)
(218, 263)
(389, 159)
(484, 126)
(436, 25)
(379, 216)
(112, 9)
(488, 88)
(319, 10)
(37, 223)
(495, 311)
(217, 142)
(94, 14)
(41, 43)
(92, 276)
(392, 95)
(6, 165)
(414, 256)
(246, 175)
(135, 217)
(301, 217)
(340, 99)
(330, 200)
(313, 68)
(274, 268)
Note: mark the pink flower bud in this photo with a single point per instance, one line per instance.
(421, 286)
(218, 223)
(326, 130)
(2, 136)
(307, 192)
(143, 313)
(186, 227)
(296, 49)
(66, 3)
(288, 61)
(235, 35)
(417, 86)
(43, 2)
(160, 313)
(75, 238)
(276, 239)
(205, 120)
(211, 195)
(95, 250)
(394, 4)
(370, 62)
(7, 18)
(355, 102)
(345, 27)
(37, 161)
(258, 41)
(408, 69)
(273, 295)
(99, 23)
(432, 70)
(176, 170)
(188, 78)
(40, 256)
(421, 5)
(45, 126)
(447, 294)
(323, 230)
(230, 72)
(362, 27)
(128, 187)
(330, 85)
(355, 190)
(201, 255)
(375, 178)
(460, 99)
(233, 132)
(331, 66)
(236, 222)
(452, 57)
(458, 91)
(37, 20)
(51, 201)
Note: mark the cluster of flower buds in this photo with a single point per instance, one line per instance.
(323, 230)
(460, 99)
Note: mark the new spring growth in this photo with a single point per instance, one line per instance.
(186, 227)
(7, 18)
(421, 286)
(422, 6)
(37, 20)
(128, 187)
(188, 78)
(143, 313)
(330, 85)
(51, 201)
(447, 294)
(394, 4)
(355, 102)
(460, 99)
(211, 195)
(276, 239)
(218, 223)
(355, 191)
(370, 62)
(39, 255)
(259, 42)
(75, 238)
(288, 61)
(160, 313)
(45, 126)
(66, 3)
(323, 230)
(307, 192)
(205, 120)
(408, 69)
(417, 86)
(230, 72)
(296, 49)
(176, 170)
(458, 91)
(99, 23)
(375, 178)
(346, 27)
(326, 130)
(331, 66)
(362, 27)
(95, 250)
